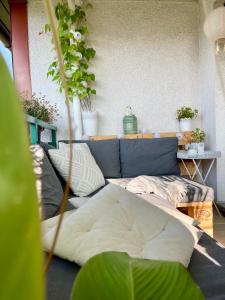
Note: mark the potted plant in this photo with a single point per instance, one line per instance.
(198, 138)
(40, 108)
(184, 116)
(73, 30)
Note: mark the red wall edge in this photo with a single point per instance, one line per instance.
(20, 48)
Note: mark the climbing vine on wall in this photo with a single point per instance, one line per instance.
(73, 30)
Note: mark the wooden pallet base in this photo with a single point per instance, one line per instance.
(200, 211)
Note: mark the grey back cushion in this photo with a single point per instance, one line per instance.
(52, 192)
(106, 154)
(52, 189)
(153, 157)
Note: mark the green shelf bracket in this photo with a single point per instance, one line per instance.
(34, 125)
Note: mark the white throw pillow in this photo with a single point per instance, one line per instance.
(117, 220)
(86, 175)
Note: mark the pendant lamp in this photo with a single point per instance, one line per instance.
(214, 27)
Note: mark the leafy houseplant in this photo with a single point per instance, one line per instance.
(73, 30)
(38, 107)
(118, 276)
(20, 243)
(184, 116)
(198, 138)
(198, 135)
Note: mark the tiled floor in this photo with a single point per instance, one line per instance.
(219, 228)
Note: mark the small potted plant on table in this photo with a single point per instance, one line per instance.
(198, 138)
(184, 116)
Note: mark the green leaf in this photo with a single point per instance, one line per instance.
(47, 28)
(90, 53)
(116, 276)
(83, 30)
(21, 261)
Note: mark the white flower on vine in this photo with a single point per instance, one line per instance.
(69, 73)
(84, 83)
(77, 35)
(77, 54)
(75, 67)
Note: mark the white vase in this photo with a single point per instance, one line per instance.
(76, 118)
(185, 125)
(201, 148)
(90, 123)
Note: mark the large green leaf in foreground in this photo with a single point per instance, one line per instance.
(20, 248)
(116, 276)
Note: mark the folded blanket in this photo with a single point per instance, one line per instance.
(174, 189)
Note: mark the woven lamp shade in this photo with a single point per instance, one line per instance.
(214, 26)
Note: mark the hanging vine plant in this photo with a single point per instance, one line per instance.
(73, 30)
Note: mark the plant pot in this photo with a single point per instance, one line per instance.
(90, 123)
(193, 149)
(194, 146)
(185, 125)
(201, 148)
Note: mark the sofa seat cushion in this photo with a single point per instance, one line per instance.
(152, 157)
(117, 220)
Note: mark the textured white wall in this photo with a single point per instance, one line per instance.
(147, 57)
(207, 73)
(212, 96)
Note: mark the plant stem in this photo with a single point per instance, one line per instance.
(52, 20)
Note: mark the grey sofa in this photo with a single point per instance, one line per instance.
(130, 158)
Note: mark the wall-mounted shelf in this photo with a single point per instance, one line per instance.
(35, 126)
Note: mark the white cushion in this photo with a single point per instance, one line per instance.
(86, 175)
(117, 220)
(79, 201)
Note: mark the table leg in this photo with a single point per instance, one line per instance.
(205, 178)
(186, 168)
(197, 170)
(209, 169)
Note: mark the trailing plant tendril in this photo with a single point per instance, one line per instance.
(72, 31)
(50, 13)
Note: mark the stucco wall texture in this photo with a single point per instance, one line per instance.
(147, 57)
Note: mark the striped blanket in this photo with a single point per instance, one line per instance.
(174, 189)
